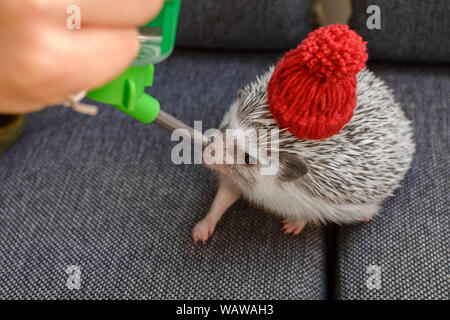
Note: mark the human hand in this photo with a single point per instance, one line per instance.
(42, 61)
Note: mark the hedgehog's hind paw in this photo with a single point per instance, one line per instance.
(293, 227)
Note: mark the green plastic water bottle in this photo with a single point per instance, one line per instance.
(126, 92)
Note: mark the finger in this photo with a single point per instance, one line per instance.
(19, 106)
(103, 12)
(66, 62)
(108, 54)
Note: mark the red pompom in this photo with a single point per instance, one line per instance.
(312, 91)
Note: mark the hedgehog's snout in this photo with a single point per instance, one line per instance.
(213, 158)
(225, 156)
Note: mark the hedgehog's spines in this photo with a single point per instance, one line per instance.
(361, 165)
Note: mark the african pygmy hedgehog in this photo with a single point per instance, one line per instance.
(341, 176)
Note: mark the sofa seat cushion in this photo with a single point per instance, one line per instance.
(102, 193)
(403, 252)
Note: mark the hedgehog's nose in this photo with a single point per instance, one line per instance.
(211, 158)
(208, 155)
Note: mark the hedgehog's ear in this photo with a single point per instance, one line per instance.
(242, 95)
(291, 167)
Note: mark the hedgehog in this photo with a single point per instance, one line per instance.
(339, 175)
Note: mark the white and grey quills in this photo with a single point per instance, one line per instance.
(341, 179)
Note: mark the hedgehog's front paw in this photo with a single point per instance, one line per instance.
(294, 227)
(203, 230)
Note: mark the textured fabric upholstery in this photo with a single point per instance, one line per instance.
(411, 30)
(409, 240)
(102, 193)
(243, 23)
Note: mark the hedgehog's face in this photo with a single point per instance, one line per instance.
(234, 148)
(229, 156)
(246, 145)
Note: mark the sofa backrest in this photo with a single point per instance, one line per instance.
(411, 30)
(243, 24)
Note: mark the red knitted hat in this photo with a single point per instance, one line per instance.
(312, 91)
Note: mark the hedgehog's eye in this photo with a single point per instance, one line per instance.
(249, 160)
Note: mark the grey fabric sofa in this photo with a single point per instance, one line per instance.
(101, 193)
(409, 240)
(408, 243)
